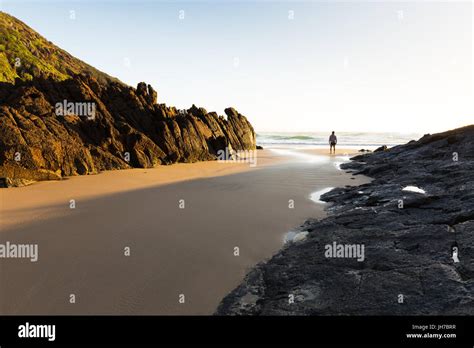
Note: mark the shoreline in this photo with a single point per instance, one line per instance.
(32, 197)
(173, 250)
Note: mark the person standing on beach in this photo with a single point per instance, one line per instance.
(332, 142)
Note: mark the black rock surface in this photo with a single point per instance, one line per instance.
(408, 240)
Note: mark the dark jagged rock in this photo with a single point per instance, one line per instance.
(407, 236)
(149, 95)
(42, 139)
(381, 148)
(128, 130)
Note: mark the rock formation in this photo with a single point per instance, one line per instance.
(63, 117)
(418, 208)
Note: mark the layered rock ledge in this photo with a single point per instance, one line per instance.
(411, 219)
(128, 129)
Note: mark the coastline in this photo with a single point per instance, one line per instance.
(172, 250)
(307, 166)
(406, 222)
(41, 195)
(29, 203)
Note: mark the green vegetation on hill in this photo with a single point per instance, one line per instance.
(26, 55)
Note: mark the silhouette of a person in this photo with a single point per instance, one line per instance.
(332, 142)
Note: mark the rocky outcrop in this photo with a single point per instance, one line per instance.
(61, 117)
(381, 148)
(415, 221)
(50, 129)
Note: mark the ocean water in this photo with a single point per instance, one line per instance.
(356, 140)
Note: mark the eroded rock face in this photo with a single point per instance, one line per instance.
(109, 126)
(408, 268)
(127, 129)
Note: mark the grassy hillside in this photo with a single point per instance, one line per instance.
(26, 55)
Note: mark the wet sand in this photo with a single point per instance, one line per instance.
(174, 251)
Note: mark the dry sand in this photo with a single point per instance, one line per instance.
(174, 251)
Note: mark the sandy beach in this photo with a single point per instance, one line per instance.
(182, 224)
